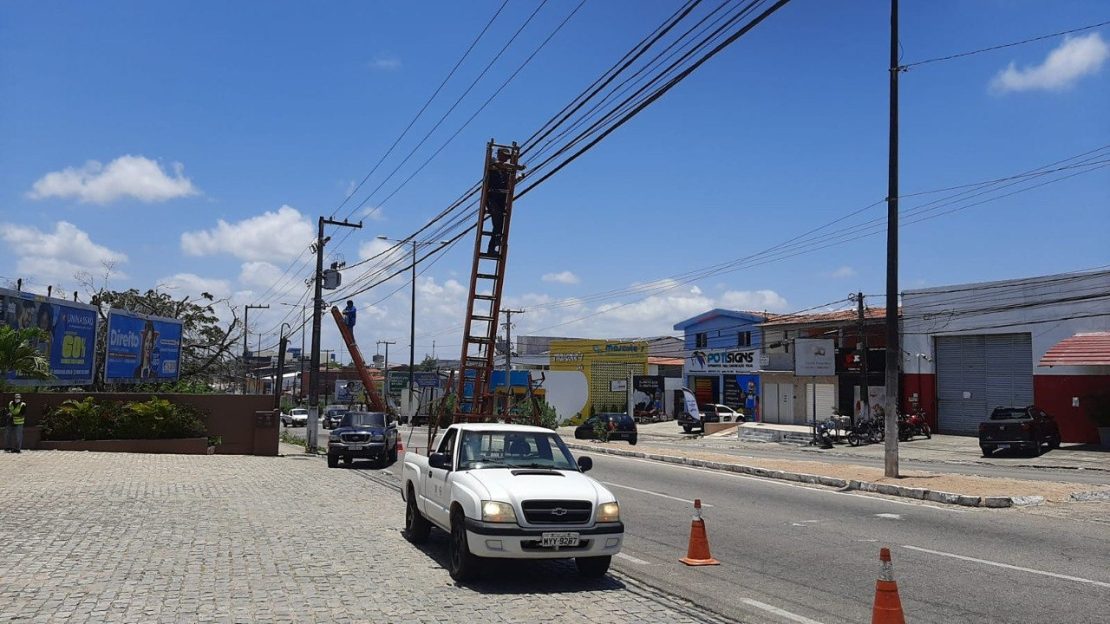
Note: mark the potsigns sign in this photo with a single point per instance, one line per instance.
(142, 348)
(814, 357)
(723, 362)
(69, 343)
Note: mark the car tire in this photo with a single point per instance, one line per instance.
(462, 564)
(632, 440)
(417, 526)
(348, 460)
(987, 450)
(333, 460)
(1054, 442)
(592, 567)
(686, 428)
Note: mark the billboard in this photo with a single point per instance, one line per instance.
(348, 391)
(723, 361)
(142, 349)
(814, 357)
(70, 343)
(647, 396)
(742, 393)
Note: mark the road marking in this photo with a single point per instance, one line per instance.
(628, 557)
(889, 516)
(794, 617)
(1010, 567)
(786, 484)
(629, 487)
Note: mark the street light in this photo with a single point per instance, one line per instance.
(412, 311)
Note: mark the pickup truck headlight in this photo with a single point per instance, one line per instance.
(609, 512)
(334, 437)
(377, 438)
(493, 511)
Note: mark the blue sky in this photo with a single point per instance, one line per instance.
(263, 116)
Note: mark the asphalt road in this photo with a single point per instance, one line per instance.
(812, 554)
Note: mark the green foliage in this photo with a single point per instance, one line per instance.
(601, 430)
(578, 419)
(428, 364)
(154, 419)
(19, 355)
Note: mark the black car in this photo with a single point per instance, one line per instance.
(333, 415)
(620, 426)
(709, 413)
(363, 435)
(1020, 428)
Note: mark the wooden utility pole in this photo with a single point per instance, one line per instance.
(893, 344)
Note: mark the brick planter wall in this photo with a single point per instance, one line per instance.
(181, 446)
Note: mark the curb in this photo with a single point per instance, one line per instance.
(888, 489)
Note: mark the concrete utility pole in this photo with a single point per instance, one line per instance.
(861, 347)
(385, 385)
(893, 344)
(317, 308)
(246, 331)
(508, 325)
(300, 363)
(279, 370)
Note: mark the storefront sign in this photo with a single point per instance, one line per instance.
(69, 343)
(722, 362)
(742, 393)
(814, 357)
(647, 396)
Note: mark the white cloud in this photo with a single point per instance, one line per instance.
(374, 213)
(1074, 58)
(280, 235)
(194, 285)
(842, 273)
(128, 176)
(385, 62)
(756, 300)
(562, 277)
(58, 255)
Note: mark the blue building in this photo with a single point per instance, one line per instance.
(723, 358)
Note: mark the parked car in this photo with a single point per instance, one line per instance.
(710, 412)
(363, 435)
(333, 415)
(621, 426)
(1023, 428)
(296, 417)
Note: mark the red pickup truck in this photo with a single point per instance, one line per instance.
(1022, 428)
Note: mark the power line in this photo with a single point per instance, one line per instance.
(999, 47)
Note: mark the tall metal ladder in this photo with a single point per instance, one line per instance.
(475, 402)
(375, 399)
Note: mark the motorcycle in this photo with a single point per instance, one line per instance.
(913, 425)
(826, 433)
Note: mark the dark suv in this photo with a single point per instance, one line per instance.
(619, 425)
(363, 435)
(333, 415)
(1020, 428)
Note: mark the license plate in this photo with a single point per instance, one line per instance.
(558, 540)
(355, 447)
(1003, 446)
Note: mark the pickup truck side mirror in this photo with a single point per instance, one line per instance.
(585, 463)
(440, 460)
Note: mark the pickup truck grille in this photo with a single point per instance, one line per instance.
(557, 511)
(356, 437)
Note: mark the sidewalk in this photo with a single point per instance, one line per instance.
(115, 537)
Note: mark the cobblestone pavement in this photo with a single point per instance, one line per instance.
(113, 537)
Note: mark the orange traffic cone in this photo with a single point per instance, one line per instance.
(400, 446)
(697, 554)
(888, 607)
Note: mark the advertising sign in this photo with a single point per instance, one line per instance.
(691, 404)
(426, 379)
(647, 396)
(814, 357)
(742, 392)
(723, 361)
(142, 348)
(398, 382)
(70, 343)
(348, 391)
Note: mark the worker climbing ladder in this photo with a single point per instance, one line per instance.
(375, 399)
(491, 249)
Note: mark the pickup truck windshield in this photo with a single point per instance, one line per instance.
(514, 449)
(364, 419)
(1010, 414)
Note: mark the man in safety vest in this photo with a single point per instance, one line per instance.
(17, 415)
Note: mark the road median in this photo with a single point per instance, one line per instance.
(936, 487)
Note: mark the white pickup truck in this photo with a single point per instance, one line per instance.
(510, 492)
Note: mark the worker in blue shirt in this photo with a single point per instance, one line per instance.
(349, 314)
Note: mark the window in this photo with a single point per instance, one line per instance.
(744, 339)
(447, 445)
(701, 340)
(513, 449)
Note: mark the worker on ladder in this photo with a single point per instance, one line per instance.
(349, 314)
(499, 176)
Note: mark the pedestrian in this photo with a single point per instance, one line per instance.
(17, 414)
(349, 314)
(498, 180)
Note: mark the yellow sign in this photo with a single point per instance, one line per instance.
(601, 362)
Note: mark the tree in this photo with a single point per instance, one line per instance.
(429, 363)
(18, 354)
(207, 342)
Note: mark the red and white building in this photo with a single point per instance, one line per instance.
(1040, 340)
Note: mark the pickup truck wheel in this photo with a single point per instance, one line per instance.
(417, 526)
(348, 460)
(686, 428)
(463, 565)
(987, 451)
(333, 460)
(592, 567)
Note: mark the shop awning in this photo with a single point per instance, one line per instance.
(1088, 349)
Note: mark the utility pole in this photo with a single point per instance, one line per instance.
(246, 331)
(508, 325)
(893, 344)
(304, 309)
(279, 370)
(385, 385)
(861, 347)
(317, 308)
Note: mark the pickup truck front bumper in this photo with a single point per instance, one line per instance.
(512, 541)
(363, 450)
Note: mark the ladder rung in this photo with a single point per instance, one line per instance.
(478, 339)
(490, 256)
(486, 276)
(485, 297)
(479, 317)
